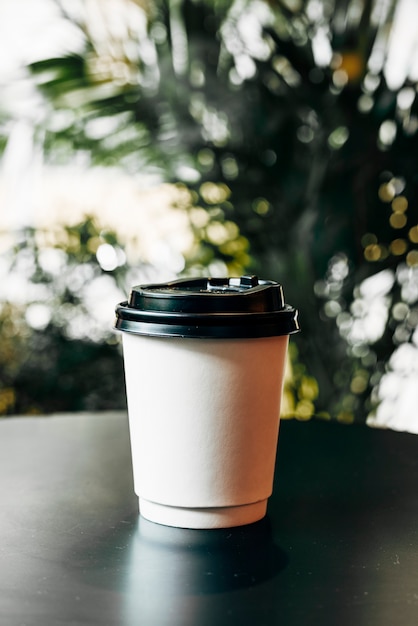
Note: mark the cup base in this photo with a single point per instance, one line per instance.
(217, 517)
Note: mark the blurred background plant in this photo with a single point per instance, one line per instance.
(281, 138)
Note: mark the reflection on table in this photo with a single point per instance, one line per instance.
(339, 544)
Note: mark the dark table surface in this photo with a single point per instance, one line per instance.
(339, 545)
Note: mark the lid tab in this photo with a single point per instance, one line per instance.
(249, 281)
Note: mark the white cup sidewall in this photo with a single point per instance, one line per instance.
(204, 417)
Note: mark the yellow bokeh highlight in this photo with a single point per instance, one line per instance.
(261, 206)
(412, 258)
(214, 193)
(352, 63)
(413, 234)
(398, 247)
(304, 410)
(397, 220)
(372, 252)
(386, 192)
(308, 389)
(220, 233)
(199, 217)
(400, 204)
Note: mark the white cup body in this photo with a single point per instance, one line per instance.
(204, 422)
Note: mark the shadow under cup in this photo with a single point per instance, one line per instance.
(204, 367)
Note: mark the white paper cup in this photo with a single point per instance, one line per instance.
(204, 421)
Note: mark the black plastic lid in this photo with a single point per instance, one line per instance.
(208, 307)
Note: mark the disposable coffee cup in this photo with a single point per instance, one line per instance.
(204, 368)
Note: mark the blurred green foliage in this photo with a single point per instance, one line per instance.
(303, 164)
(54, 356)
